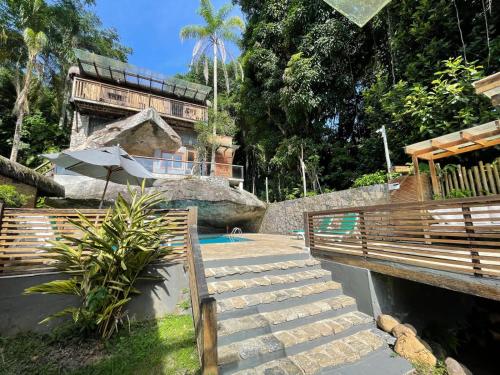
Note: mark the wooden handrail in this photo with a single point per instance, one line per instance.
(456, 235)
(204, 306)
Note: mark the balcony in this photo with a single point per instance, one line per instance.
(96, 93)
(160, 166)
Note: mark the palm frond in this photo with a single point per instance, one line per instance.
(193, 32)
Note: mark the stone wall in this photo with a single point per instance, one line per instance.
(282, 217)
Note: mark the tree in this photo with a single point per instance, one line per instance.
(35, 42)
(67, 24)
(218, 29)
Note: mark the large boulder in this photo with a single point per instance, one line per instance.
(387, 322)
(456, 368)
(411, 348)
(219, 205)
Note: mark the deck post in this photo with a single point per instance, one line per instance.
(192, 217)
(420, 194)
(469, 229)
(306, 231)
(209, 322)
(436, 189)
(363, 233)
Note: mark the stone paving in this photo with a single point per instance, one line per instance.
(240, 302)
(280, 316)
(234, 285)
(231, 326)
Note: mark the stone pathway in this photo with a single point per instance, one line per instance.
(279, 312)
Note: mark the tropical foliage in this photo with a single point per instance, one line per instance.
(37, 38)
(11, 197)
(105, 264)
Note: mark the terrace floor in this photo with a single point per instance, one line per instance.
(260, 245)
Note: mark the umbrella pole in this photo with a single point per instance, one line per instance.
(105, 188)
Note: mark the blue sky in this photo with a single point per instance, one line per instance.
(151, 28)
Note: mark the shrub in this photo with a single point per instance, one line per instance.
(379, 177)
(11, 197)
(459, 193)
(107, 261)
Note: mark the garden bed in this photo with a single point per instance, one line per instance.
(164, 346)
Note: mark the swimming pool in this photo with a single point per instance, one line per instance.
(220, 238)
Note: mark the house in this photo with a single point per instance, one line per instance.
(151, 116)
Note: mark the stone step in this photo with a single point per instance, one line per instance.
(250, 352)
(250, 304)
(253, 270)
(231, 330)
(254, 260)
(360, 354)
(273, 282)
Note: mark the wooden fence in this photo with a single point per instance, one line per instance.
(482, 179)
(24, 236)
(457, 235)
(204, 306)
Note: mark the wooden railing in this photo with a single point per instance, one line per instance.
(204, 306)
(100, 93)
(457, 235)
(24, 236)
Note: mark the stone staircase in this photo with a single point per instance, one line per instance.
(284, 315)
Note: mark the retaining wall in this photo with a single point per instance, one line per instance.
(20, 313)
(282, 217)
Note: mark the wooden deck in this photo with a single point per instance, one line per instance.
(450, 243)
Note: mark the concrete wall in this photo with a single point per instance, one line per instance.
(20, 313)
(282, 217)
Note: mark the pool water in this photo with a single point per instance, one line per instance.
(220, 238)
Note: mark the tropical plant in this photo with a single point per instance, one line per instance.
(11, 197)
(218, 29)
(105, 264)
(379, 177)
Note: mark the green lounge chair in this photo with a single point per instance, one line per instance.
(347, 226)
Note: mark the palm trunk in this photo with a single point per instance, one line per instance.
(214, 130)
(16, 142)
(20, 109)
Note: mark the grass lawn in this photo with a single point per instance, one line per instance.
(163, 346)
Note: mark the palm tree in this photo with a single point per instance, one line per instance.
(217, 30)
(35, 42)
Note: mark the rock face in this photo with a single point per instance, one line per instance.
(219, 205)
(411, 348)
(387, 322)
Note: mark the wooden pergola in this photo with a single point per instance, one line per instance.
(472, 139)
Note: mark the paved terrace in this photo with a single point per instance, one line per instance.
(261, 245)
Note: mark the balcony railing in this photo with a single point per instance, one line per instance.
(175, 167)
(457, 235)
(189, 168)
(93, 92)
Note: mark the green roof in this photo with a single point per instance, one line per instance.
(103, 67)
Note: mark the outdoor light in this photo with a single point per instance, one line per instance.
(358, 11)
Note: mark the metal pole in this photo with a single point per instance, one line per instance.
(105, 188)
(386, 148)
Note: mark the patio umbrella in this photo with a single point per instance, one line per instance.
(105, 163)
